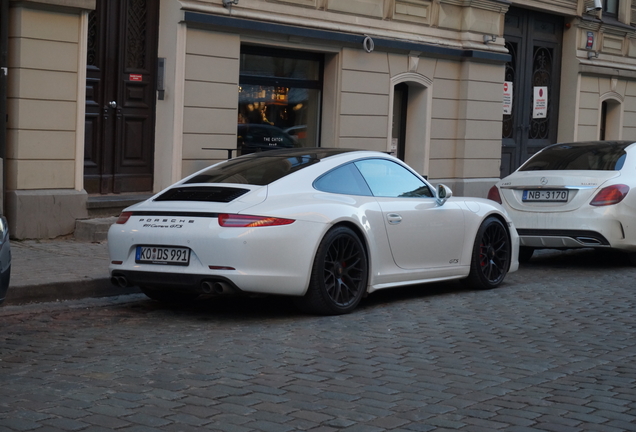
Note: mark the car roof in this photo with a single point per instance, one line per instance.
(599, 144)
(265, 167)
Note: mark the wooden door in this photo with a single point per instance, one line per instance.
(120, 96)
(534, 42)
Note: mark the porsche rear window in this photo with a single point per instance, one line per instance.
(604, 156)
(261, 169)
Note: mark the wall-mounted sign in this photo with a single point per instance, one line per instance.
(540, 102)
(507, 98)
(135, 77)
(590, 40)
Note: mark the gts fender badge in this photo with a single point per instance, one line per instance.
(453, 261)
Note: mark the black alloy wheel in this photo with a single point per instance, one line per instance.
(339, 274)
(491, 256)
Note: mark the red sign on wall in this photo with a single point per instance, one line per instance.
(590, 40)
(135, 77)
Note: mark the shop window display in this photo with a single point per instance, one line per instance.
(279, 100)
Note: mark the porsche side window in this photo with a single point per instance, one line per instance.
(343, 180)
(389, 179)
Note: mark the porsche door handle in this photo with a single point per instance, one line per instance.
(394, 218)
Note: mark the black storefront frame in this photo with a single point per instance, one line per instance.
(269, 81)
(246, 26)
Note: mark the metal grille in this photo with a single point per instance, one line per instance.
(136, 35)
(542, 77)
(511, 66)
(92, 39)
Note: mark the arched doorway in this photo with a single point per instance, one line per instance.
(409, 134)
(611, 120)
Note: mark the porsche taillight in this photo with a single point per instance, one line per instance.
(123, 217)
(610, 195)
(249, 221)
(493, 194)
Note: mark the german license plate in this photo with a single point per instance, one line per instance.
(162, 255)
(546, 195)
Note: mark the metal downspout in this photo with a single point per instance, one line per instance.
(4, 67)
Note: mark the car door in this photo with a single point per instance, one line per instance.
(422, 234)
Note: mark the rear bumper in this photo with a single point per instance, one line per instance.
(554, 239)
(179, 282)
(589, 227)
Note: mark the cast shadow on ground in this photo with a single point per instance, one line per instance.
(246, 308)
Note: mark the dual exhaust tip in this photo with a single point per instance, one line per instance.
(218, 288)
(206, 287)
(120, 281)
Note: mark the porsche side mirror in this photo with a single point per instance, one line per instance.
(443, 193)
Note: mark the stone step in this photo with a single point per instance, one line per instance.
(103, 211)
(93, 230)
(100, 206)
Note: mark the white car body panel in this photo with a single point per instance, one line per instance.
(279, 259)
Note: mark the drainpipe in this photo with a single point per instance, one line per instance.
(4, 67)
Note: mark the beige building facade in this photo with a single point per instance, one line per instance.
(422, 79)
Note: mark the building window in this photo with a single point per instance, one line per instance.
(610, 8)
(280, 93)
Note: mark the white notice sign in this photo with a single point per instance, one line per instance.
(394, 146)
(540, 102)
(507, 98)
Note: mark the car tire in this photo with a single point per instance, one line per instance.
(525, 253)
(169, 297)
(339, 275)
(491, 255)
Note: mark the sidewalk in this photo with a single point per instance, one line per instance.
(60, 269)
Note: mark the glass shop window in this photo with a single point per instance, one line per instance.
(280, 93)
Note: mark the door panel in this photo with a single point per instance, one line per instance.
(120, 96)
(533, 40)
(422, 234)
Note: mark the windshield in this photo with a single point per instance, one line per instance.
(596, 156)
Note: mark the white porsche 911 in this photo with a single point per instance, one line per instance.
(326, 226)
(574, 195)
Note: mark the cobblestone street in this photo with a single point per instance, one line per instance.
(552, 349)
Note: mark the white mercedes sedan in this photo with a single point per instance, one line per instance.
(574, 195)
(326, 226)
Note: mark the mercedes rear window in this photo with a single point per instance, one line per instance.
(604, 156)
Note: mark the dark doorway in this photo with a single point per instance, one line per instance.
(534, 42)
(398, 135)
(120, 96)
